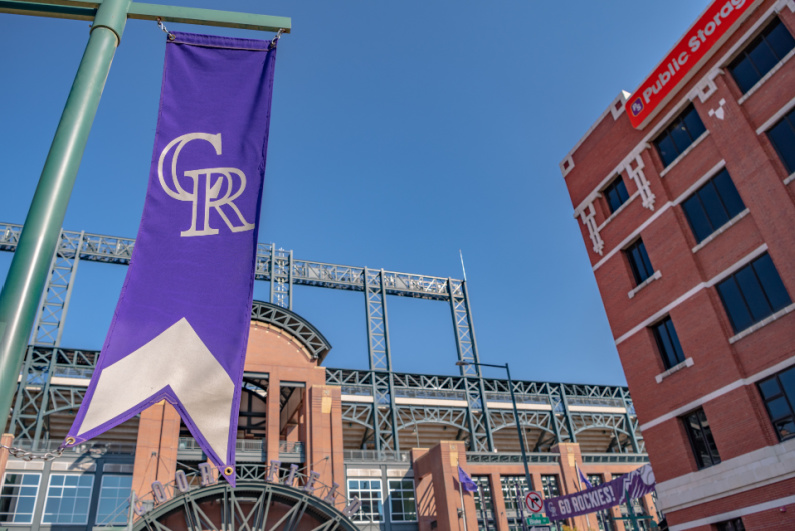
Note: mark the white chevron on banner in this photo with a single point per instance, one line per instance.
(176, 358)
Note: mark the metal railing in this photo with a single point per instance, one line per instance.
(241, 445)
(376, 455)
(615, 458)
(50, 445)
(489, 457)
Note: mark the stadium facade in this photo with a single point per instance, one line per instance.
(688, 220)
(311, 439)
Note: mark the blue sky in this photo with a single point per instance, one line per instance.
(401, 133)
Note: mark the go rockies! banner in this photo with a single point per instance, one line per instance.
(637, 483)
(181, 325)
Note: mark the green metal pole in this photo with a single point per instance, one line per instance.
(27, 275)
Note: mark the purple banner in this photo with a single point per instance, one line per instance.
(637, 483)
(181, 325)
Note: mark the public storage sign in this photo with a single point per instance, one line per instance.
(694, 46)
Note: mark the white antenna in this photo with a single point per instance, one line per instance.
(462, 264)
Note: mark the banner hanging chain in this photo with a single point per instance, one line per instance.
(275, 40)
(26, 455)
(162, 26)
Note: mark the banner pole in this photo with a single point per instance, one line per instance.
(30, 266)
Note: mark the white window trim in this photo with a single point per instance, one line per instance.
(618, 210)
(643, 284)
(99, 494)
(720, 230)
(778, 115)
(699, 402)
(676, 368)
(47, 497)
(692, 291)
(687, 151)
(789, 179)
(380, 499)
(761, 324)
(38, 491)
(767, 76)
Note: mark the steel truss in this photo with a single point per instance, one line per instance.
(562, 411)
(283, 271)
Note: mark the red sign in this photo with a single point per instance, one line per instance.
(698, 40)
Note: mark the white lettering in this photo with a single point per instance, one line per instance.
(205, 190)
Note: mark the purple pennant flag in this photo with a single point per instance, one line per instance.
(181, 325)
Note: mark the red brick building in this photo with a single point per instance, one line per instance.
(689, 222)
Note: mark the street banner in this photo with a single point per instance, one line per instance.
(637, 483)
(180, 328)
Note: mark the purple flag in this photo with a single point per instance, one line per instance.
(467, 483)
(181, 325)
(637, 483)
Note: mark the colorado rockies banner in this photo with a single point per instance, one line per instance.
(637, 483)
(181, 325)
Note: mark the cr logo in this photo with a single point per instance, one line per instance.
(205, 190)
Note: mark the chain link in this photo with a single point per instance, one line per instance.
(26, 455)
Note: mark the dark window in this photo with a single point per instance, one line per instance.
(704, 449)
(753, 293)
(732, 525)
(668, 343)
(549, 485)
(761, 55)
(639, 261)
(679, 135)
(616, 194)
(782, 136)
(712, 205)
(778, 393)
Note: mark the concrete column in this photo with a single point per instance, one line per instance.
(500, 518)
(156, 450)
(273, 417)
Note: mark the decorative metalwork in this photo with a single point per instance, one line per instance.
(317, 345)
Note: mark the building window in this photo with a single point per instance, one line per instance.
(402, 501)
(639, 261)
(753, 293)
(369, 493)
(778, 393)
(114, 500)
(678, 136)
(549, 484)
(761, 55)
(68, 497)
(483, 504)
(732, 525)
(782, 136)
(704, 448)
(668, 343)
(513, 486)
(616, 194)
(513, 490)
(712, 206)
(18, 498)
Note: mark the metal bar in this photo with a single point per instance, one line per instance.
(52, 10)
(208, 17)
(27, 274)
(519, 429)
